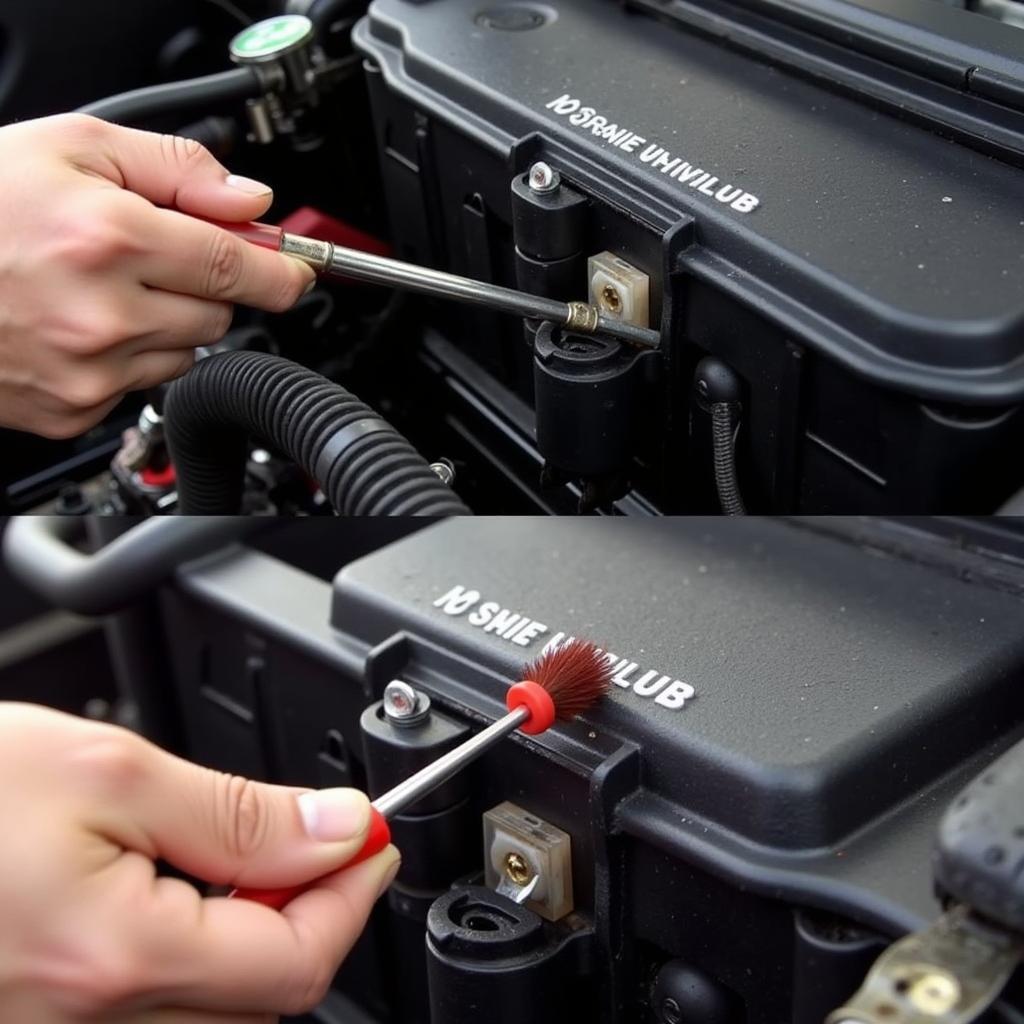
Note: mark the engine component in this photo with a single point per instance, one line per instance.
(559, 685)
(588, 392)
(978, 856)
(619, 289)
(279, 51)
(341, 261)
(528, 860)
(882, 369)
(718, 391)
(360, 462)
(176, 97)
(39, 551)
(549, 223)
(491, 959)
(951, 973)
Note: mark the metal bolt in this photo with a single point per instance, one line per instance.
(517, 868)
(399, 699)
(150, 419)
(404, 706)
(934, 994)
(543, 179)
(445, 471)
(611, 299)
(670, 1012)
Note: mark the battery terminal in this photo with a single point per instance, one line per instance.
(529, 860)
(619, 290)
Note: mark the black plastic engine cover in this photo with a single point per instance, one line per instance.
(786, 687)
(895, 251)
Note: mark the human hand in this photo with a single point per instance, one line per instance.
(106, 286)
(89, 932)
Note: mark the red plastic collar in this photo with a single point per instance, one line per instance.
(537, 701)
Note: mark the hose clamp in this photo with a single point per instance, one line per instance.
(582, 317)
(339, 442)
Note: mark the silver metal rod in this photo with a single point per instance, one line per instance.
(364, 266)
(631, 334)
(394, 801)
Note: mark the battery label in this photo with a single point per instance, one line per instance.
(652, 154)
(524, 631)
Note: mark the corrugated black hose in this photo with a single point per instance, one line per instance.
(723, 434)
(362, 464)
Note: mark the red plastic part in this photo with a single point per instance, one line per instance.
(165, 477)
(377, 839)
(537, 701)
(266, 236)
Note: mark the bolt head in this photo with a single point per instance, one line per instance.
(445, 471)
(517, 867)
(543, 178)
(400, 700)
(934, 993)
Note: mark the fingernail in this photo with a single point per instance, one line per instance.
(389, 877)
(248, 185)
(309, 287)
(334, 815)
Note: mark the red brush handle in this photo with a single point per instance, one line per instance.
(377, 839)
(266, 236)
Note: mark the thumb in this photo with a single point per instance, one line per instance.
(178, 173)
(232, 831)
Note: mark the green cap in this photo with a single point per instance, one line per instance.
(269, 39)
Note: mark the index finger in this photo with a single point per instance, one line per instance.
(193, 257)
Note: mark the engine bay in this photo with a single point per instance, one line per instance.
(773, 794)
(813, 207)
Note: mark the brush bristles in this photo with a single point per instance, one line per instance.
(576, 675)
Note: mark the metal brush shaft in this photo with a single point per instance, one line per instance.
(364, 266)
(395, 800)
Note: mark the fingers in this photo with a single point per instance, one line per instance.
(165, 248)
(196, 1017)
(150, 369)
(238, 956)
(191, 257)
(174, 172)
(222, 828)
(166, 321)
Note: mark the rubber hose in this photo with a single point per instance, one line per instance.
(176, 97)
(722, 435)
(362, 464)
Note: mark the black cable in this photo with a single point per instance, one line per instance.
(361, 463)
(723, 435)
(176, 97)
